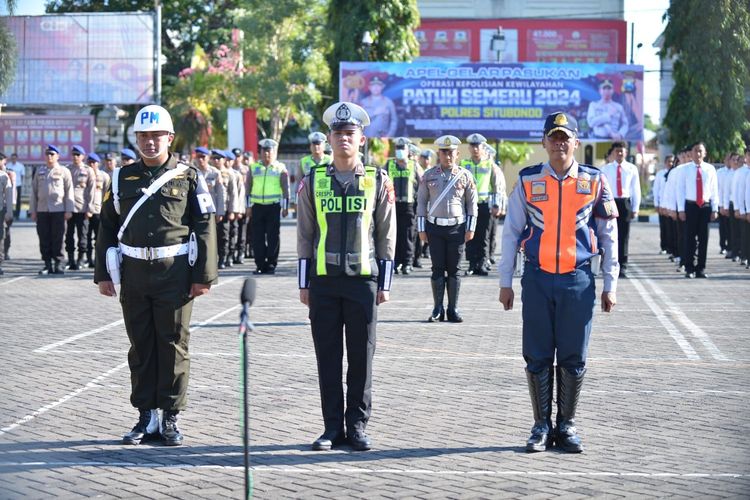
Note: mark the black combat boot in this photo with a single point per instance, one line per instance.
(170, 434)
(71, 261)
(147, 427)
(540, 390)
(454, 285)
(568, 391)
(47, 269)
(438, 290)
(58, 269)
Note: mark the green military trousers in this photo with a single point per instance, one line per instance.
(156, 309)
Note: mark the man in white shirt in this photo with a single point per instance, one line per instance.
(660, 182)
(625, 181)
(20, 170)
(724, 176)
(697, 205)
(739, 199)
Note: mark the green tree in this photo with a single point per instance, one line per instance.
(185, 23)
(284, 57)
(711, 47)
(8, 51)
(391, 24)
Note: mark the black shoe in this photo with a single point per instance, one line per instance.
(406, 269)
(690, 275)
(47, 269)
(58, 268)
(479, 271)
(92, 264)
(417, 264)
(723, 251)
(170, 434)
(395, 269)
(228, 262)
(623, 273)
(258, 271)
(359, 441)
(438, 314)
(329, 439)
(729, 255)
(454, 316)
(701, 274)
(540, 390)
(453, 285)
(568, 392)
(270, 270)
(222, 265)
(146, 428)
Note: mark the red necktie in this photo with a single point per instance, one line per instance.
(619, 180)
(698, 186)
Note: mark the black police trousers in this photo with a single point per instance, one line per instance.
(156, 309)
(625, 211)
(696, 236)
(446, 247)
(477, 249)
(344, 307)
(405, 231)
(266, 223)
(50, 227)
(78, 227)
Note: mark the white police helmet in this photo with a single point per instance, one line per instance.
(153, 118)
(317, 138)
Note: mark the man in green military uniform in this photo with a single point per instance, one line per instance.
(159, 215)
(482, 168)
(346, 234)
(403, 172)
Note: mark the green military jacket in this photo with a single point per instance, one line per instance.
(183, 205)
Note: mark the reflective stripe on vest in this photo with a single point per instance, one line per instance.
(482, 173)
(266, 184)
(399, 176)
(327, 203)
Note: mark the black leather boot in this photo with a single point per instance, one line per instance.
(540, 390)
(329, 439)
(438, 290)
(58, 267)
(47, 269)
(170, 433)
(71, 264)
(454, 285)
(79, 262)
(568, 391)
(147, 427)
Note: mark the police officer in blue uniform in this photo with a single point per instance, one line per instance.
(346, 237)
(558, 286)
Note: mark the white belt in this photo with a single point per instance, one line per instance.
(154, 253)
(446, 221)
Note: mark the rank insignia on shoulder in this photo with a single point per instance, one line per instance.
(131, 178)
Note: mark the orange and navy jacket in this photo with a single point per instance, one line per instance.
(560, 233)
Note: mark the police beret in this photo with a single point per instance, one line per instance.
(52, 148)
(78, 150)
(345, 113)
(268, 144)
(230, 155)
(560, 121)
(447, 142)
(203, 150)
(476, 139)
(401, 142)
(218, 152)
(316, 138)
(129, 153)
(93, 157)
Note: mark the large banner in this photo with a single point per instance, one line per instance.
(502, 101)
(83, 59)
(28, 136)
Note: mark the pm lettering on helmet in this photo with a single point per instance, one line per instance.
(149, 117)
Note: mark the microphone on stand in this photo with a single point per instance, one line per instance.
(247, 297)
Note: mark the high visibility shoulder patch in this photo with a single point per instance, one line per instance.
(131, 178)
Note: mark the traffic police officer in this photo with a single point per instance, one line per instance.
(498, 209)
(403, 174)
(446, 219)
(168, 252)
(84, 185)
(561, 213)
(268, 201)
(346, 234)
(101, 183)
(482, 168)
(316, 157)
(51, 204)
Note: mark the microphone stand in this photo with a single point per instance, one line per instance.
(246, 326)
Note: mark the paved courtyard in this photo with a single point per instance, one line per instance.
(663, 409)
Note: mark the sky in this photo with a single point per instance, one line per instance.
(646, 16)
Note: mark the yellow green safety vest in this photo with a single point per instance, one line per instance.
(345, 223)
(307, 162)
(266, 183)
(404, 193)
(482, 173)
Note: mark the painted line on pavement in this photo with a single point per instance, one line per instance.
(3, 283)
(73, 338)
(442, 472)
(678, 313)
(44, 409)
(673, 331)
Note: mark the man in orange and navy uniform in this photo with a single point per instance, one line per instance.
(561, 214)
